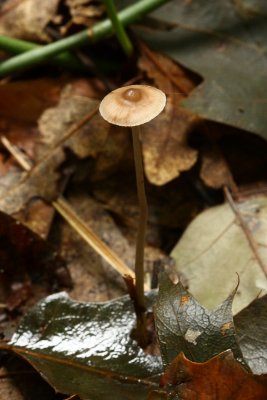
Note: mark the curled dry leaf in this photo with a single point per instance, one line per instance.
(23, 19)
(220, 378)
(165, 148)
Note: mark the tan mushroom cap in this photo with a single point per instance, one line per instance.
(132, 105)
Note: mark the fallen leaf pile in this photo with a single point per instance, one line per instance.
(63, 309)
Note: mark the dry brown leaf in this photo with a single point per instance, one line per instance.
(220, 378)
(115, 155)
(94, 279)
(27, 19)
(42, 182)
(21, 104)
(168, 75)
(165, 148)
(84, 12)
(214, 170)
(56, 121)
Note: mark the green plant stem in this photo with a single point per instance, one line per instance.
(119, 30)
(96, 33)
(18, 46)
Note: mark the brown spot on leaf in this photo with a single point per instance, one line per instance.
(184, 300)
(225, 327)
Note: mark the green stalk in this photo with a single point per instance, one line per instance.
(96, 33)
(18, 46)
(119, 28)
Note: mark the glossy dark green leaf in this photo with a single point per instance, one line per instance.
(251, 330)
(183, 325)
(86, 349)
(224, 41)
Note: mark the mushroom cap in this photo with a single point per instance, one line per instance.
(132, 105)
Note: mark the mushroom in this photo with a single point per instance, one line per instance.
(132, 106)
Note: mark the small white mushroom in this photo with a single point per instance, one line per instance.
(133, 106)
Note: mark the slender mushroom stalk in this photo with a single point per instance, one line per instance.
(133, 106)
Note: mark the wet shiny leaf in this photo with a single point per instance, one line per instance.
(86, 349)
(183, 325)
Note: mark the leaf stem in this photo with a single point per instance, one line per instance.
(118, 27)
(92, 35)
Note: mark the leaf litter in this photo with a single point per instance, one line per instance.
(90, 163)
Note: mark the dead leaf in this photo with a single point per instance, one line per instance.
(169, 76)
(251, 330)
(214, 169)
(85, 12)
(214, 248)
(42, 182)
(27, 19)
(220, 378)
(72, 108)
(94, 279)
(21, 104)
(30, 269)
(165, 148)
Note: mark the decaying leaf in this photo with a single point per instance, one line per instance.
(224, 46)
(30, 267)
(21, 104)
(183, 325)
(94, 279)
(251, 330)
(214, 170)
(87, 349)
(165, 148)
(43, 182)
(214, 249)
(220, 378)
(85, 12)
(72, 108)
(24, 20)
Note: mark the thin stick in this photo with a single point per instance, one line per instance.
(140, 244)
(250, 239)
(67, 212)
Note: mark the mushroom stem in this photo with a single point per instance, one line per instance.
(140, 243)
